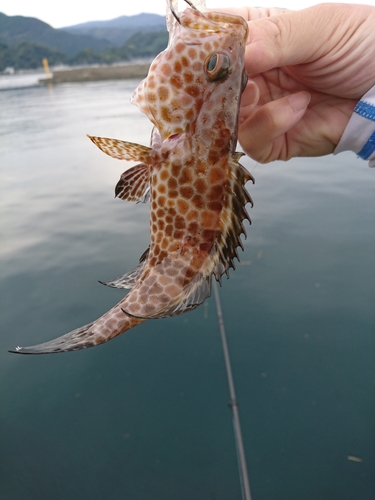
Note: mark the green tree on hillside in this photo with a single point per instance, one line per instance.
(29, 56)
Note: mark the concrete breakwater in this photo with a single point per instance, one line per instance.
(98, 73)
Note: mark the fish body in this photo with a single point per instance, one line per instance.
(190, 173)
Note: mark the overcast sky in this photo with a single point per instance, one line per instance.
(70, 12)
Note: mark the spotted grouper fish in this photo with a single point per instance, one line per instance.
(191, 174)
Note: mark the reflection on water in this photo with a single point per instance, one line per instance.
(145, 416)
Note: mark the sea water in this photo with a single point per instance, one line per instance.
(145, 416)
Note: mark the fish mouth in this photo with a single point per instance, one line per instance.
(173, 137)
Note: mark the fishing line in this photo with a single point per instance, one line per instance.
(244, 478)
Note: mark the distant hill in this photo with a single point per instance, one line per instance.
(140, 45)
(15, 30)
(140, 20)
(120, 29)
(25, 41)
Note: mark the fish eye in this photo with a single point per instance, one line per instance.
(211, 63)
(217, 67)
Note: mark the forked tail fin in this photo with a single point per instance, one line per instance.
(108, 326)
(77, 339)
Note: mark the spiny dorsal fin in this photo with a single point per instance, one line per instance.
(134, 184)
(226, 247)
(122, 150)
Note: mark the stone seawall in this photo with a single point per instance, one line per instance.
(98, 73)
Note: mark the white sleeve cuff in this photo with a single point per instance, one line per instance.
(359, 135)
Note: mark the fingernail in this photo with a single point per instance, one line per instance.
(299, 101)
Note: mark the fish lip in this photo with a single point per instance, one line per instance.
(174, 137)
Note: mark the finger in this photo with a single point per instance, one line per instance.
(296, 36)
(251, 13)
(262, 128)
(250, 96)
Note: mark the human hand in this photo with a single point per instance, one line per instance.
(311, 67)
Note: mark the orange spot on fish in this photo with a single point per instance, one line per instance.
(200, 185)
(164, 175)
(165, 114)
(172, 183)
(193, 228)
(166, 69)
(185, 61)
(198, 201)
(163, 93)
(152, 97)
(193, 90)
(192, 53)
(180, 47)
(187, 191)
(180, 222)
(162, 200)
(216, 175)
(188, 76)
(176, 167)
(189, 115)
(210, 219)
(183, 206)
(215, 206)
(176, 81)
(192, 216)
(189, 273)
(215, 193)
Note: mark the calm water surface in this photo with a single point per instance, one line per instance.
(144, 416)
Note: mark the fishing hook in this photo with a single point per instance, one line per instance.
(191, 4)
(174, 12)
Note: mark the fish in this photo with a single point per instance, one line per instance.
(190, 174)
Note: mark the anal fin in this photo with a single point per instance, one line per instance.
(192, 296)
(197, 294)
(129, 279)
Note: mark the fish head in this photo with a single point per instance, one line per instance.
(194, 86)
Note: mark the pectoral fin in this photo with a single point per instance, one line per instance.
(122, 150)
(134, 184)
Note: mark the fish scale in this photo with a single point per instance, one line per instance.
(190, 173)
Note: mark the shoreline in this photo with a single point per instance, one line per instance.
(96, 73)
